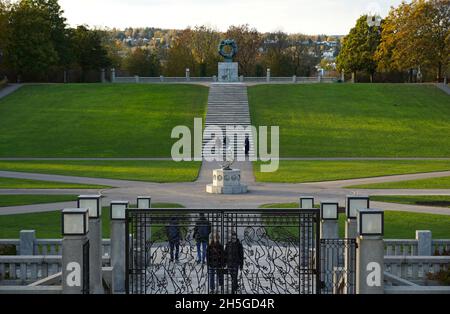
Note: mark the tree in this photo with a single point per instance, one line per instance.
(180, 55)
(4, 33)
(204, 44)
(414, 36)
(359, 47)
(88, 49)
(249, 42)
(142, 62)
(30, 49)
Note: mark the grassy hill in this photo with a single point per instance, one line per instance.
(355, 120)
(97, 120)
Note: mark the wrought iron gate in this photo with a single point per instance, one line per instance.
(337, 265)
(262, 251)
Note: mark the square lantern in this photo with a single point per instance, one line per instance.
(75, 221)
(118, 210)
(306, 202)
(354, 203)
(370, 222)
(91, 202)
(144, 202)
(329, 210)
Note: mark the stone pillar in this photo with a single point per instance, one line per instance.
(370, 265)
(268, 75)
(370, 252)
(214, 78)
(93, 203)
(445, 80)
(241, 78)
(329, 229)
(72, 264)
(425, 243)
(118, 238)
(294, 79)
(95, 256)
(113, 75)
(103, 76)
(188, 75)
(343, 76)
(75, 251)
(27, 242)
(353, 77)
(161, 78)
(136, 78)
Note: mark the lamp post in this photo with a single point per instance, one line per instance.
(306, 202)
(93, 204)
(353, 204)
(118, 237)
(75, 251)
(329, 229)
(370, 252)
(144, 202)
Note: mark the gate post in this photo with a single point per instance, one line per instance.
(353, 203)
(93, 204)
(75, 266)
(370, 252)
(117, 214)
(27, 242)
(145, 202)
(329, 229)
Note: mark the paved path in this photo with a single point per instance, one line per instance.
(9, 89)
(193, 194)
(443, 87)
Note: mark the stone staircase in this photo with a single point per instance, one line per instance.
(228, 106)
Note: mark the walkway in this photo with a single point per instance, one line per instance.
(193, 195)
(9, 89)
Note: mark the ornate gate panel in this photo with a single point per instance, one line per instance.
(260, 252)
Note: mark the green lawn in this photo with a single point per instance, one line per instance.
(153, 171)
(433, 183)
(398, 225)
(48, 225)
(425, 200)
(12, 183)
(97, 120)
(319, 170)
(19, 200)
(355, 120)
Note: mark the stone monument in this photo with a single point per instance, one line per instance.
(228, 70)
(227, 180)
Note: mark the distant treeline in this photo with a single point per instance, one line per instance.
(36, 44)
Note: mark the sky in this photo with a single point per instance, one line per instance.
(331, 17)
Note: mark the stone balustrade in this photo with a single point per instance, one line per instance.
(50, 247)
(25, 269)
(415, 268)
(164, 79)
(400, 247)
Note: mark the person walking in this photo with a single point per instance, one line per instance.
(234, 254)
(202, 231)
(215, 256)
(247, 146)
(174, 238)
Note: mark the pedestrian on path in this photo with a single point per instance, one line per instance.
(216, 262)
(202, 231)
(234, 253)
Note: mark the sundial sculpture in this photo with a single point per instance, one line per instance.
(227, 180)
(228, 70)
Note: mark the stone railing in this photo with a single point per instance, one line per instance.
(48, 247)
(26, 269)
(400, 247)
(441, 246)
(415, 268)
(263, 79)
